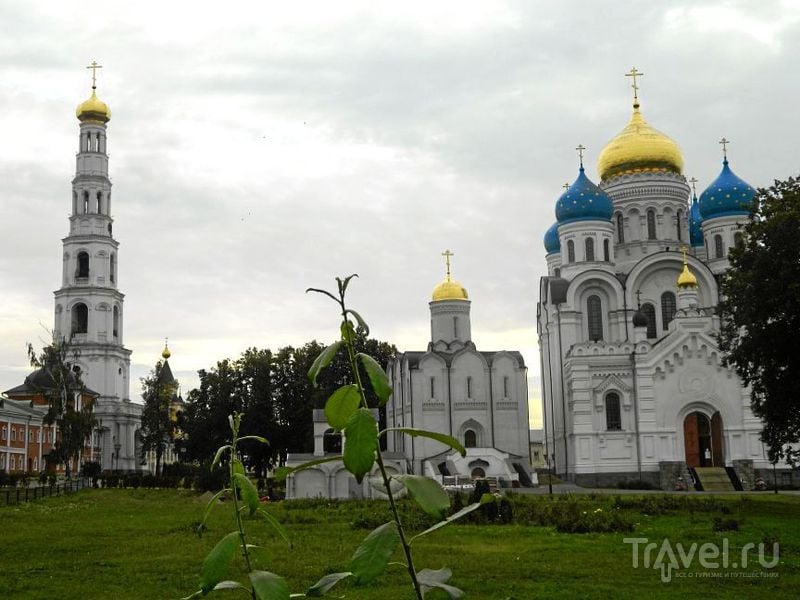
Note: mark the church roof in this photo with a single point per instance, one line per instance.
(414, 356)
(552, 243)
(695, 224)
(40, 381)
(727, 195)
(583, 201)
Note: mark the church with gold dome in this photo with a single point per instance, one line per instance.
(633, 383)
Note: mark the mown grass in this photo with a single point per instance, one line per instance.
(140, 544)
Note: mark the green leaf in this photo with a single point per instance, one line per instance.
(281, 473)
(375, 552)
(323, 360)
(377, 377)
(248, 492)
(269, 586)
(454, 517)
(216, 561)
(276, 524)
(341, 406)
(362, 324)
(348, 331)
(343, 284)
(319, 291)
(326, 583)
(230, 585)
(237, 467)
(360, 443)
(428, 579)
(428, 493)
(211, 504)
(218, 455)
(448, 440)
(257, 438)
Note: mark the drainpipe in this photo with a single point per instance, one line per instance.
(636, 412)
(551, 464)
(491, 406)
(563, 394)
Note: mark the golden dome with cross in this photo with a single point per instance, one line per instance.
(449, 289)
(93, 109)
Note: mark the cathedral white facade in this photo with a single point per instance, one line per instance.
(632, 380)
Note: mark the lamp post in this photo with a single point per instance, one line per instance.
(117, 447)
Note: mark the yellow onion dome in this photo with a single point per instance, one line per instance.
(165, 353)
(449, 290)
(686, 279)
(93, 109)
(639, 148)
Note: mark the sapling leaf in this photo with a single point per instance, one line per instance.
(360, 443)
(268, 586)
(430, 496)
(448, 440)
(319, 291)
(197, 594)
(323, 360)
(343, 284)
(377, 377)
(341, 406)
(247, 491)
(275, 524)
(281, 473)
(428, 579)
(454, 517)
(230, 585)
(257, 438)
(348, 331)
(211, 504)
(372, 556)
(326, 583)
(362, 324)
(237, 467)
(216, 561)
(218, 456)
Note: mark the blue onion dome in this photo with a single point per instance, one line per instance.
(551, 242)
(583, 201)
(695, 224)
(727, 195)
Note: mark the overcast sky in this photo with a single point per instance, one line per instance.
(261, 148)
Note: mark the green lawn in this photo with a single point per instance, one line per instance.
(115, 544)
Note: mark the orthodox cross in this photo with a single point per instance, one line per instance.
(94, 66)
(694, 189)
(566, 186)
(580, 148)
(447, 254)
(634, 73)
(639, 298)
(684, 249)
(724, 143)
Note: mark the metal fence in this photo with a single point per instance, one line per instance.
(18, 495)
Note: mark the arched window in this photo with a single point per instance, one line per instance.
(470, 439)
(80, 318)
(99, 203)
(112, 267)
(649, 311)
(331, 441)
(455, 327)
(594, 313)
(738, 239)
(570, 251)
(620, 230)
(606, 250)
(719, 251)
(678, 219)
(613, 414)
(469, 387)
(115, 329)
(557, 272)
(589, 249)
(83, 265)
(667, 308)
(85, 202)
(477, 472)
(74, 203)
(433, 387)
(651, 224)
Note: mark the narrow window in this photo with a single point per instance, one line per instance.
(13, 434)
(433, 387)
(112, 267)
(620, 230)
(505, 386)
(455, 327)
(469, 387)
(718, 250)
(570, 251)
(83, 265)
(74, 203)
(589, 249)
(649, 311)
(594, 311)
(80, 318)
(667, 308)
(738, 239)
(678, 219)
(99, 203)
(470, 439)
(606, 250)
(651, 224)
(613, 416)
(557, 272)
(116, 322)
(85, 202)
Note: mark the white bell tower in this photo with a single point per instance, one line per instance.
(89, 306)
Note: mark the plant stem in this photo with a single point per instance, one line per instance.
(242, 538)
(379, 458)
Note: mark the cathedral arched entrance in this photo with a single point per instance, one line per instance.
(702, 439)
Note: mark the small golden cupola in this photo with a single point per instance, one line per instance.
(639, 147)
(449, 289)
(165, 353)
(93, 109)
(687, 279)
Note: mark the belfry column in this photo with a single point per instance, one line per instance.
(89, 306)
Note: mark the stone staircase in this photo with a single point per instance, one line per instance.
(714, 479)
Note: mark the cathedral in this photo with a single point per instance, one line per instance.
(633, 383)
(89, 307)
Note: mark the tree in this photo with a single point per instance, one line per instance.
(760, 313)
(69, 407)
(158, 390)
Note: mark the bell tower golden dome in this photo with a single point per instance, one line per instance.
(449, 289)
(639, 147)
(93, 109)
